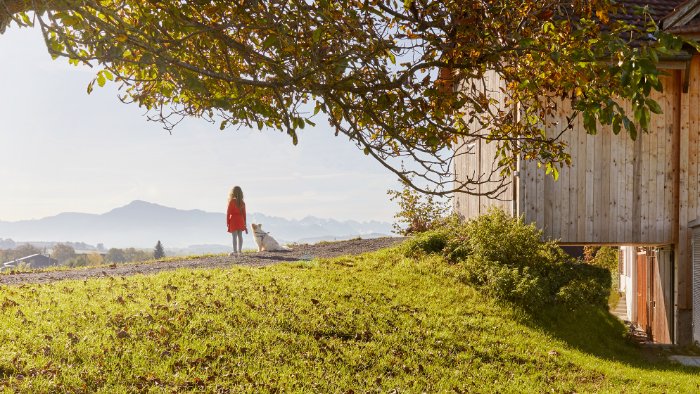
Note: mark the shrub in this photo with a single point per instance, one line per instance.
(606, 257)
(580, 291)
(518, 285)
(433, 241)
(497, 236)
(418, 212)
(448, 237)
(508, 260)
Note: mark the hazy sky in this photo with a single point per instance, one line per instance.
(63, 150)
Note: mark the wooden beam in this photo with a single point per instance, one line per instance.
(639, 244)
(681, 15)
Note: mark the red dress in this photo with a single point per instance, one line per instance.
(235, 218)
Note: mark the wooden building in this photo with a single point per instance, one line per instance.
(34, 261)
(642, 193)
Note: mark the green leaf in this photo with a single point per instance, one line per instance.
(645, 119)
(547, 26)
(653, 55)
(551, 169)
(269, 42)
(654, 106)
(589, 122)
(632, 129)
(616, 125)
(625, 78)
(25, 19)
(316, 36)
(642, 115)
(391, 56)
(526, 42)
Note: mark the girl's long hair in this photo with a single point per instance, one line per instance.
(236, 194)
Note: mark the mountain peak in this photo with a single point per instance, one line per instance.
(141, 203)
(140, 207)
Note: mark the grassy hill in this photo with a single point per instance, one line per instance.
(376, 322)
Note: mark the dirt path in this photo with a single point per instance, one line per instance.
(299, 252)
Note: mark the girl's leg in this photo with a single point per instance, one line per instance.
(235, 244)
(240, 241)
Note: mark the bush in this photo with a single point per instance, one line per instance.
(448, 237)
(507, 259)
(606, 257)
(433, 241)
(418, 213)
(581, 291)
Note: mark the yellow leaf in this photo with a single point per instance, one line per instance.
(602, 15)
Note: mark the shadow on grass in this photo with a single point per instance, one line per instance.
(597, 332)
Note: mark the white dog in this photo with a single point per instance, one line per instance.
(264, 240)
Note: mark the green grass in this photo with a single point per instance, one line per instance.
(376, 322)
(167, 259)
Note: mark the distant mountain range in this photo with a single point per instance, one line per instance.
(141, 224)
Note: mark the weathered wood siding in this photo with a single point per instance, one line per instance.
(477, 156)
(689, 186)
(616, 190)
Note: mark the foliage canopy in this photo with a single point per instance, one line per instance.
(402, 80)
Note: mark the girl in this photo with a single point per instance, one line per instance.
(236, 219)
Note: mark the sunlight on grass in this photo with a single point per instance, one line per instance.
(373, 322)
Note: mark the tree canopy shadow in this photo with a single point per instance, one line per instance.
(595, 331)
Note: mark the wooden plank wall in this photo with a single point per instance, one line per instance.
(662, 306)
(616, 190)
(479, 157)
(689, 183)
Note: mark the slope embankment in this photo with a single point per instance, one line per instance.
(252, 259)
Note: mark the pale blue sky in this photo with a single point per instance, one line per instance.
(64, 150)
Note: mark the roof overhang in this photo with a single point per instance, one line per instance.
(683, 14)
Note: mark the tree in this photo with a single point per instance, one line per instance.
(133, 254)
(384, 74)
(80, 260)
(7, 243)
(115, 255)
(158, 252)
(62, 252)
(95, 259)
(25, 250)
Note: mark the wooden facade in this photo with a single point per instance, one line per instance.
(477, 157)
(617, 191)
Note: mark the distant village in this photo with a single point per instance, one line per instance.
(22, 256)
